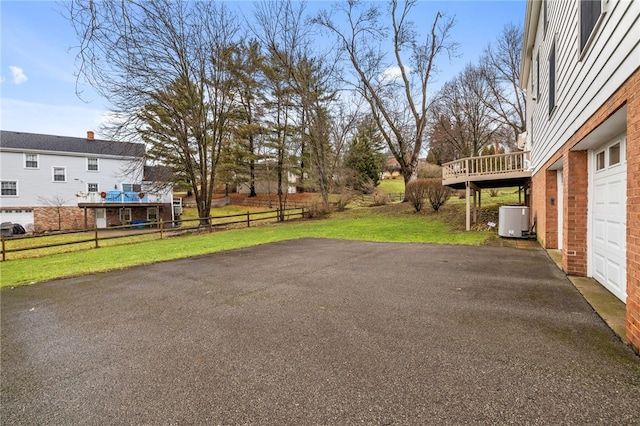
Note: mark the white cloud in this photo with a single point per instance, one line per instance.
(392, 73)
(18, 74)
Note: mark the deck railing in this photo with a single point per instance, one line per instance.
(486, 165)
(119, 197)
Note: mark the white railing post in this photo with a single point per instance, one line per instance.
(484, 165)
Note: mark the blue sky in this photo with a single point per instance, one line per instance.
(37, 62)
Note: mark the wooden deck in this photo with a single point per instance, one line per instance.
(492, 171)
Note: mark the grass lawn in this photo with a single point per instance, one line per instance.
(392, 186)
(391, 223)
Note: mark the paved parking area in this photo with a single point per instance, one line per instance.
(317, 332)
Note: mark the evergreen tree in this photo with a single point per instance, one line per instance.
(365, 158)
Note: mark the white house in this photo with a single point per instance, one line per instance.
(581, 70)
(266, 180)
(58, 182)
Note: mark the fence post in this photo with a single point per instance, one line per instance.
(210, 224)
(3, 250)
(248, 220)
(95, 235)
(161, 227)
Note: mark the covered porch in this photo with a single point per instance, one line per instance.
(492, 171)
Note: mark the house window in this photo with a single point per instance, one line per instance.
(129, 187)
(92, 187)
(600, 160)
(590, 11)
(552, 78)
(59, 174)
(152, 214)
(92, 164)
(31, 161)
(614, 154)
(9, 187)
(125, 216)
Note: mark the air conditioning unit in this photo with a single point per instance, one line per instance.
(513, 221)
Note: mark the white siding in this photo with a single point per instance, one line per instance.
(35, 186)
(583, 81)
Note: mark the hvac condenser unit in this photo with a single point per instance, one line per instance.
(513, 221)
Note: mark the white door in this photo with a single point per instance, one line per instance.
(609, 217)
(560, 206)
(101, 218)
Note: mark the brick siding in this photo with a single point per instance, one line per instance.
(575, 169)
(137, 213)
(633, 210)
(60, 218)
(73, 218)
(575, 206)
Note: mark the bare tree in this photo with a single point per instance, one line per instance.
(163, 66)
(500, 65)
(396, 89)
(461, 117)
(57, 202)
(313, 86)
(346, 118)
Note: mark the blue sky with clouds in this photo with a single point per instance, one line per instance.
(37, 62)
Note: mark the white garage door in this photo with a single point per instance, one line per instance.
(608, 217)
(22, 216)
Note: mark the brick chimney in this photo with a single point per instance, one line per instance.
(90, 135)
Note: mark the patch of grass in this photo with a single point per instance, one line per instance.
(392, 186)
(393, 223)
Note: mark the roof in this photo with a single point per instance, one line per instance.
(157, 174)
(38, 142)
(532, 16)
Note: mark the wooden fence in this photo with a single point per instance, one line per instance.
(161, 229)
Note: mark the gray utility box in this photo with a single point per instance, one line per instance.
(513, 221)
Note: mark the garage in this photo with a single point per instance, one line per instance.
(16, 215)
(608, 217)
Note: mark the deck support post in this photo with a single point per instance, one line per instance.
(476, 202)
(468, 204)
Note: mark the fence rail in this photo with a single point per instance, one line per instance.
(162, 229)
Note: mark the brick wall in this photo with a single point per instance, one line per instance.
(551, 193)
(575, 206)
(60, 218)
(73, 218)
(575, 175)
(633, 210)
(138, 213)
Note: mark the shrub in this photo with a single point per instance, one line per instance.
(416, 193)
(316, 210)
(437, 194)
(380, 199)
(345, 198)
(420, 191)
(494, 192)
(428, 170)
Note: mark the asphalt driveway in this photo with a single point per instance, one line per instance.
(317, 332)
